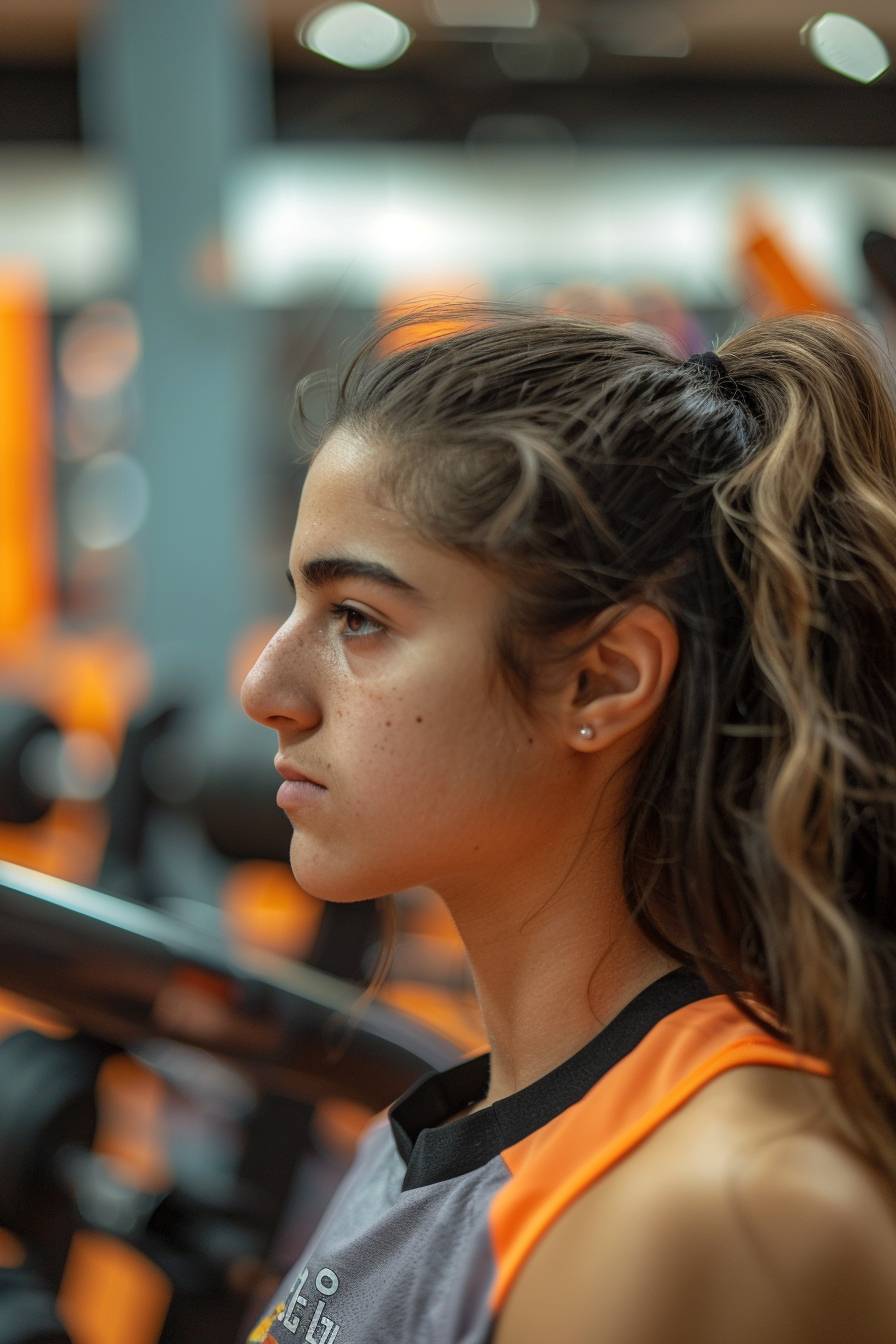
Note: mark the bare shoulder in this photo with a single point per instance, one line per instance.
(744, 1216)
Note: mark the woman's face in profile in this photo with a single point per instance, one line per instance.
(429, 775)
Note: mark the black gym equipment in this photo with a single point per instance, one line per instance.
(106, 964)
(22, 728)
(129, 977)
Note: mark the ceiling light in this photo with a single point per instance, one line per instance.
(847, 46)
(361, 36)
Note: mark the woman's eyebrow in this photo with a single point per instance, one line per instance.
(329, 568)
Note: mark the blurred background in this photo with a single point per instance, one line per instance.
(201, 201)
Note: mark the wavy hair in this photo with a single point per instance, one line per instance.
(592, 467)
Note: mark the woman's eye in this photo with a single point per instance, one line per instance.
(350, 614)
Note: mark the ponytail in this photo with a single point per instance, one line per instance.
(810, 521)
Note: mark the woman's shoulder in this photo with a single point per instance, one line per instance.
(756, 1153)
(760, 1125)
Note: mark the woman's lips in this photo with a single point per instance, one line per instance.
(288, 771)
(294, 793)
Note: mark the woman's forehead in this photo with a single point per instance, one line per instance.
(339, 511)
(339, 494)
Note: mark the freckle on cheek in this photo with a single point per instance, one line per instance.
(419, 720)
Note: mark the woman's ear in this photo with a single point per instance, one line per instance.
(618, 683)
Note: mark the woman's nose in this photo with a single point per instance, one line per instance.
(273, 691)
(256, 693)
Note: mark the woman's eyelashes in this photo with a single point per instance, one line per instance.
(345, 612)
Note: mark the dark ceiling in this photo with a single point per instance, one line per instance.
(746, 79)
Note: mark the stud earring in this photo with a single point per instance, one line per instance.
(586, 730)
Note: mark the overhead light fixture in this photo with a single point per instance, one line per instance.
(361, 36)
(847, 46)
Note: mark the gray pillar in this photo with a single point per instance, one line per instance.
(178, 91)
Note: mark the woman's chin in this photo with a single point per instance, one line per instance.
(340, 888)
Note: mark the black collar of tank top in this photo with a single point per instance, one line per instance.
(469, 1141)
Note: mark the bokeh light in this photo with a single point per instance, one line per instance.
(99, 349)
(361, 36)
(108, 501)
(846, 45)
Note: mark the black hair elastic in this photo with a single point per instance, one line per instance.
(709, 360)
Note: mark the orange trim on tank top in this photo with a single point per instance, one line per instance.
(541, 1190)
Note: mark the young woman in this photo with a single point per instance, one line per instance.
(598, 643)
